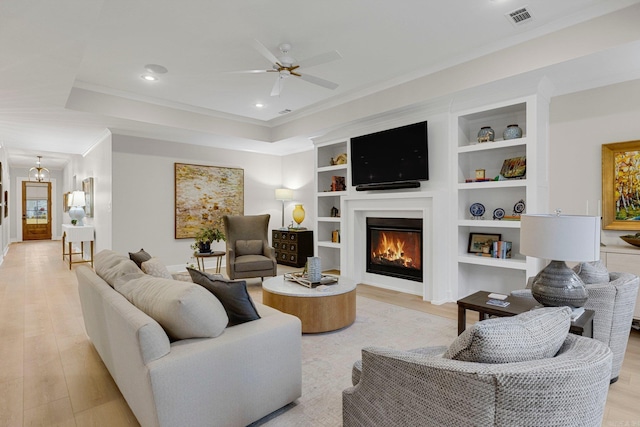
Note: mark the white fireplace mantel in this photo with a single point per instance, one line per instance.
(426, 205)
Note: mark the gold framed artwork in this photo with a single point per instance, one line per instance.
(203, 195)
(621, 186)
(65, 201)
(87, 187)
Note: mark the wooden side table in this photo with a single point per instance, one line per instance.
(583, 325)
(200, 258)
(77, 234)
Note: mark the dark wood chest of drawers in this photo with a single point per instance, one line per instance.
(292, 247)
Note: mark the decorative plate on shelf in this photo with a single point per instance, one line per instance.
(519, 207)
(477, 210)
(498, 213)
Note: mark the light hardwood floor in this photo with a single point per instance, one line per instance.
(50, 375)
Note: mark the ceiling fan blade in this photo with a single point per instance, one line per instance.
(318, 81)
(277, 87)
(323, 58)
(251, 71)
(262, 49)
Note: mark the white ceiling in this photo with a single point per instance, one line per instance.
(66, 66)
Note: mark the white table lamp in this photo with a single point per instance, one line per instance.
(284, 194)
(560, 238)
(77, 202)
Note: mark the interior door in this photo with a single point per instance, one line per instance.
(36, 210)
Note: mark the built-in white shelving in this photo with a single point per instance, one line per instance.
(470, 271)
(327, 201)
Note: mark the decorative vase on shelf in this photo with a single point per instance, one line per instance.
(298, 214)
(486, 134)
(512, 132)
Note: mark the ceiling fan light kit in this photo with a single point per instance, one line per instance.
(287, 66)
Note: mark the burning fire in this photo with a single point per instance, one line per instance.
(394, 250)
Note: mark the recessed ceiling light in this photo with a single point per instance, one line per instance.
(155, 68)
(259, 105)
(149, 77)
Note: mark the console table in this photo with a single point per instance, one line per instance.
(583, 325)
(293, 247)
(77, 234)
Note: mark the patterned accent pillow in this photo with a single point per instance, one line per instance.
(232, 294)
(248, 247)
(592, 272)
(139, 257)
(533, 335)
(155, 268)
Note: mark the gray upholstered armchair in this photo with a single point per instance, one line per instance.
(613, 301)
(248, 250)
(425, 387)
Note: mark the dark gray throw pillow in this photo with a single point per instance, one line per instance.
(232, 294)
(139, 257)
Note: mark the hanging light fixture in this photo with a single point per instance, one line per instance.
(38, 173)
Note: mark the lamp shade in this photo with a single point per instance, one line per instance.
(560, 237)
(284, 194)
(77, 199)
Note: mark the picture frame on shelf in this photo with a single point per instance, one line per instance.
(514, 168)
(620, 163)
(478, 242)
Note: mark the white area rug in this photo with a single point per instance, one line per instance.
(327, 358)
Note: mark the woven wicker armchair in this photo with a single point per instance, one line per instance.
(613, 303)
(421, 388)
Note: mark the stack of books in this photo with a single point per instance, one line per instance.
(501, 249)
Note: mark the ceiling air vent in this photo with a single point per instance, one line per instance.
(285, 111)
(520, 16)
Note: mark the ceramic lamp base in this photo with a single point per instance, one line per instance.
(557, 286)
(77, 213)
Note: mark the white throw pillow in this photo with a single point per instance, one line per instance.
(111, 265)
(184, 310)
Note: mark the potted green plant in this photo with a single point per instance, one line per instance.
(205, 236)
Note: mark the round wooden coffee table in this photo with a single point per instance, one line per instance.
(320, 310)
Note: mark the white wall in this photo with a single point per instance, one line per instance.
(6, 184)
(579, 124)
(143, 191)
(97, 164)
(297, 174)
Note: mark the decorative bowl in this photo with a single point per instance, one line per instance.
(632, 239)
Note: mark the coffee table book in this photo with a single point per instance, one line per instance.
(302, 279)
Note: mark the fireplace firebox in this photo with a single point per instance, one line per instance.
(394, 247)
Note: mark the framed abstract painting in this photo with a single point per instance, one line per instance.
(203, 195)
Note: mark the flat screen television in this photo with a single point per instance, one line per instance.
(392, 156)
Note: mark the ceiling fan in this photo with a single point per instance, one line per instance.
(286, 66)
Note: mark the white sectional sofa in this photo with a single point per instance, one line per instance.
(243, 374)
